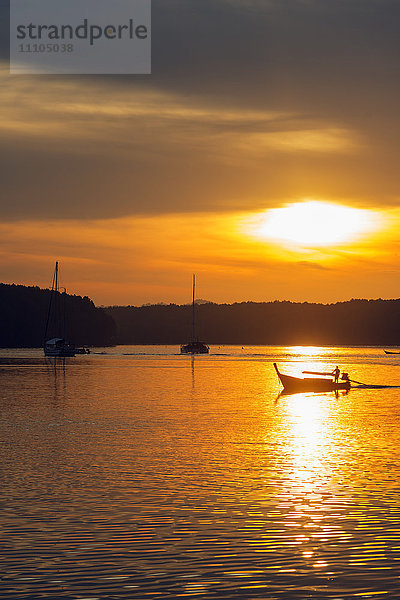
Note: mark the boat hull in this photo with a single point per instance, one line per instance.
(309, 384)
(195, 348)
(59, 353)
(59, 348)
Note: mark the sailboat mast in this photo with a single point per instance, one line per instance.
(56, 310)
(194, 287)
(52, 297)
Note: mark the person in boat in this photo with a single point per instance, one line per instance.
(336, 373)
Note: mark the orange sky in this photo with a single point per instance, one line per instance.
(134, 260)
(134, 183)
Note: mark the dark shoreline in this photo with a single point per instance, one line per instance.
(353, 323)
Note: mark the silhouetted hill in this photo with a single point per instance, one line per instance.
(24, 309)
(23, 314)
(356, 322)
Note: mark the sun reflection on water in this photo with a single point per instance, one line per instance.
(307, 351)
(165, 486)
(308, 446)
(308, 496)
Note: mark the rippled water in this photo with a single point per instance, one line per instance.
(140, 473)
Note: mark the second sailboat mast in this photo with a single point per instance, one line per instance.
(194, 286)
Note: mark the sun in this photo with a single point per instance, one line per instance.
(315, 223)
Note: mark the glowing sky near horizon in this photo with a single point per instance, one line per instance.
(269, 167)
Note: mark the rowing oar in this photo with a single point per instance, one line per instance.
(317, 373)
(325, 374)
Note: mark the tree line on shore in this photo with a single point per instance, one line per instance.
(355, 322)
(24, 311)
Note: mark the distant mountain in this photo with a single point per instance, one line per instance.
(23, 313)
(198, 301)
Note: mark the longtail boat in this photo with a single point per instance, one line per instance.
(310, 384)
(390, 352)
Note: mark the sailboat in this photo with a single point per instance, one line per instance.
(194, 346)
(55, 324)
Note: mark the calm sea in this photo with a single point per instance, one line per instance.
(139, 473)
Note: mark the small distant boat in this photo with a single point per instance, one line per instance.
(390, 352)
(194, 346)
(57, 346)
(310, 384)
(82, 351)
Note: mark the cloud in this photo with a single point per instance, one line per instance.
(121, 263)
(66, 155)
(313, 265)
(133, 260)
(250, 104)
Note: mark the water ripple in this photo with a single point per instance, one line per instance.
(187, 479)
